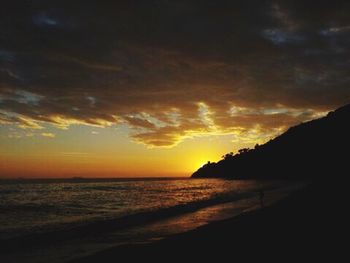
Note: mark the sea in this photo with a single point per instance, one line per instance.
(57, 220)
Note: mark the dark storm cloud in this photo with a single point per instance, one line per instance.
(170, 69)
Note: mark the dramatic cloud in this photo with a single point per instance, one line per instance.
(173, 69)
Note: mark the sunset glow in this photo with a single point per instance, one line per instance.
(159, 89)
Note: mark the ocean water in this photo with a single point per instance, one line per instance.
(96, 214)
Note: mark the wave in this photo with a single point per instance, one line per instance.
(96, 226)
(28, 208)
(9, 191)
(104, 188)
(99, 226)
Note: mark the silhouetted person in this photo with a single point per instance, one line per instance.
(261, 196)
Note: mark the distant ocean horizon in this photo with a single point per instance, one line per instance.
(10, 179)
(79, 179)
(108, 211)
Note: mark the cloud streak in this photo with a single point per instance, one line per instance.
(171, 70)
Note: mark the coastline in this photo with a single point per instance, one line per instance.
(78, 242)
(287, 228)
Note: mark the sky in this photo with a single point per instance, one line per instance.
(160, 87)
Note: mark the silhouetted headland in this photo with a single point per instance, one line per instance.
(311, 150)
(308, 225)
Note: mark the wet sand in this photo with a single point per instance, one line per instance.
(77, 242)
(308, 225)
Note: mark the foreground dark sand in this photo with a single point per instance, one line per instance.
(310, 224)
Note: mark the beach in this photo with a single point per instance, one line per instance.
(174, 130)
(310, 224)
(61, 227)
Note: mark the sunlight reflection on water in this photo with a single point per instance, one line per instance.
(158, 208)
(36, 206)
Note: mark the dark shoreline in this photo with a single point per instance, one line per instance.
(309, 224)
(70, 232)
(64, 243)
(108, 225)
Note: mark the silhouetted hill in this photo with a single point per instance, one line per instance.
(315, 149)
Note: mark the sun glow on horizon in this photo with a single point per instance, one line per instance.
(175, 147)
(161, 96)
(107, 153)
